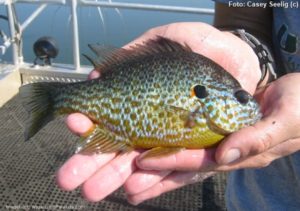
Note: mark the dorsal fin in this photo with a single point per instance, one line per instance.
(102, 50)
(108, 55)
(158, 45)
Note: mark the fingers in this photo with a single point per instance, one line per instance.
(247, 142)
(142, 180)
(78, 123)
(94, 74)
(110, 177)
(79, 168)
(100, 174)
(171, 182)
(185, 160)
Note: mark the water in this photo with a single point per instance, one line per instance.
(119, 26)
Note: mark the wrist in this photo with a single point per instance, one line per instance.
(266, 61)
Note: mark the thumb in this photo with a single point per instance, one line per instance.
(255, 139)
(79, 123)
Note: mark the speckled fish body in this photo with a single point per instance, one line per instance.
(157, 95)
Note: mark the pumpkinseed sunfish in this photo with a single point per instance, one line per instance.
(159, 96)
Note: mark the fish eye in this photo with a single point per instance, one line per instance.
(242, 96)
(199, 91)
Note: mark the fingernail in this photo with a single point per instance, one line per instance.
(134, 203)
(231, 156)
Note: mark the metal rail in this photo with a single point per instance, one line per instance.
(31, 18)
(153, 7)
(74, 4)
(13, 33)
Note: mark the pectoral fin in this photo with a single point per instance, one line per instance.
(184, 115)
(102, 141)
(158, 152)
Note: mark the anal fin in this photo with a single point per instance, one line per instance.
(158, 152)
(102, 141)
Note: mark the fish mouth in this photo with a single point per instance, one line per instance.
(257, 116)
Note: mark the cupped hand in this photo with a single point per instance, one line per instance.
(101, 174)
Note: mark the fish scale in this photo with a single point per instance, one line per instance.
(143, 100)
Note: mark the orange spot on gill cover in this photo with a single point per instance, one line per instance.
(192, 93)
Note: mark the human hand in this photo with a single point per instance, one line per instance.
(275, 136)
(101, 174)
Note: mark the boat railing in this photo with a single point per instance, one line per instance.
(61, 72)
(16, 28)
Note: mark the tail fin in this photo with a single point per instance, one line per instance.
(38, 101)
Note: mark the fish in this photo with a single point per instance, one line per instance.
(159, 95)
